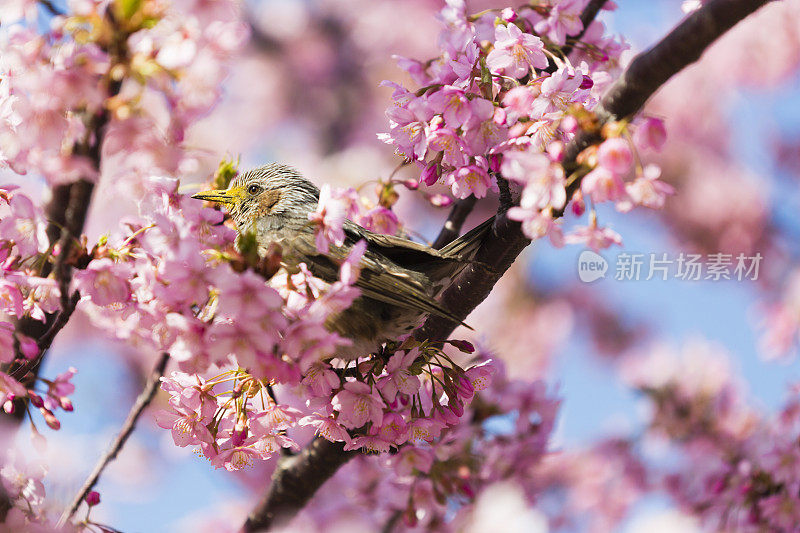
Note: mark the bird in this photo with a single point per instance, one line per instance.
(399, 279)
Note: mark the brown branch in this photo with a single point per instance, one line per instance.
(66, 213)
(455, 221)
(144, 399)
(295, 482)
(651, 69)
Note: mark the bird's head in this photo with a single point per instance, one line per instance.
(275, 191)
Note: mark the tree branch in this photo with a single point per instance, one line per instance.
(651, 69)
(452, 226)
(51, 8)
(144, 399)
(66, 212)
(295, 482)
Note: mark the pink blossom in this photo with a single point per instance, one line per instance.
(358, 404)
(564, 19)
(480, 375)
(6, 342)
(425, 429)
(105, 282)
(248, 295)
(452, 104)
(648, 190)
(536, 224)
(515, 53)
(22, 226)
(408, 125)
(320, 378)
(593, 237)
(44, 297)
(520, 99)
(58, 391)
(651, 133)
(10, 389)
(23, 479)
(380, 220)
(780, 511)
(11, 298)
(14, 10)
(329, 219)
(236, 458)
(327, 427)
(471, 180)
(523, 165)
(398, 376)
(193, 410)
(411, 459)
(615, 155)
(602, 185)
(485, 129)
(271, 443)
(544, 181)
(273, 419)
(446, 140)
(557, 92)
(394, 429)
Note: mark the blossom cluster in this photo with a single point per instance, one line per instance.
(738, 470)
(377, 403)
(25, 295)
(430, 483)
(76, 88)
(503, 100)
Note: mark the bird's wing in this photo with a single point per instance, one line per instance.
(406, 252)
(376, 280)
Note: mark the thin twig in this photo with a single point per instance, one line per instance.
(144, 399)
(455, 220)
(644, 76)
(588, 15)
(49, 6)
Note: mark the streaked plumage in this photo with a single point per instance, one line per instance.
(399, 278)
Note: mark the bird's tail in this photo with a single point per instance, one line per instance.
(466, 245)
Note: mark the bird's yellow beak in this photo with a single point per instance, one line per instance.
(219, 196)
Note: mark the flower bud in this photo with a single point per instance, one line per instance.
(508, 14)
(36, 400)
(440, 200)
(430, 175)
(66, 404)
(50, 419)
(93, 498)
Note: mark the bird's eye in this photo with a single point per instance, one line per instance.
(253, 189)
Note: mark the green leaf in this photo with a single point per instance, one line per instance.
(247, 245)
(129, 8)
(226, 171)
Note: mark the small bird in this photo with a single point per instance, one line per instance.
(399, 278)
